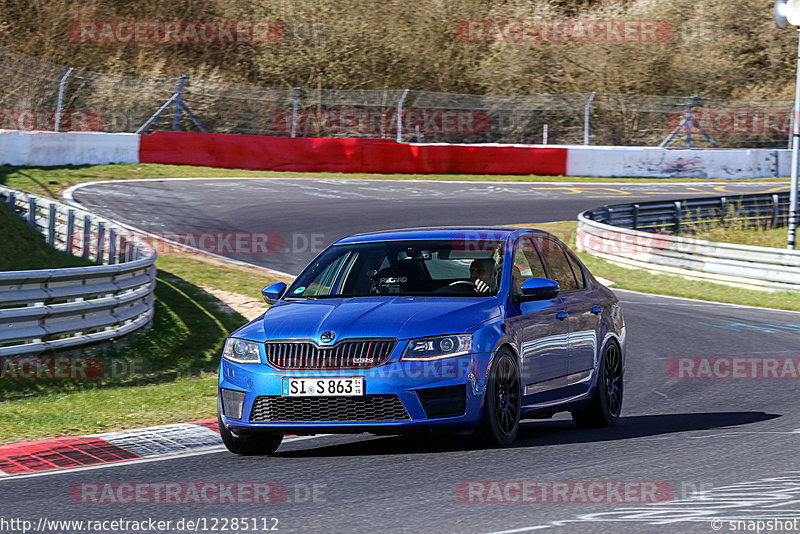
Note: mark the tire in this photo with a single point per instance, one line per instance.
(255, 444)
(606, 404)
(502, 402)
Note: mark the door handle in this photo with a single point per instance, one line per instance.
(596, 309)
(561, 315)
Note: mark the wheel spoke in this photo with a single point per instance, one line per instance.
(506, 394)
(613, 378)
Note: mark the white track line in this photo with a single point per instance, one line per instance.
(699, 302)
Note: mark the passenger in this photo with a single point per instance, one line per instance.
(481, 273)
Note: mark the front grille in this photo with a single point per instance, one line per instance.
(347, 354)
(328, 409)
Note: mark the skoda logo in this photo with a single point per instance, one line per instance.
(327, 337)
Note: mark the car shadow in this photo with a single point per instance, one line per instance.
(533, 433)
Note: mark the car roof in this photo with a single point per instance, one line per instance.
(434, 233)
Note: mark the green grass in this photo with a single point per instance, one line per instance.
(164, 375)
(105, 409)
(24, 248)
(50, 181)
(760, 237)
(676, 286)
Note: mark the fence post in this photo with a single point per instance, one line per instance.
(59, 106)
(178, 108)
(400, 116)
(690, 120)
(51, 225)
(295, 106)
(586, 111)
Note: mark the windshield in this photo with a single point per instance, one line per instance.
(437, 268)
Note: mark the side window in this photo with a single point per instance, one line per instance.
(323, 282)
(556, 264)
(526, 262)
(576, 270)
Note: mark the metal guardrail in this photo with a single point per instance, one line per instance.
(50, 309)
(639, 235)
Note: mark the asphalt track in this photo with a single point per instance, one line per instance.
(303, 215)
(727, 447)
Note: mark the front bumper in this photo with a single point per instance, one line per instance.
(417, 385)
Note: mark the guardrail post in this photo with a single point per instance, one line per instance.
(723, 210)
(636, 216)
(609, 214)
(775, 202)
(70, 231)
(677, 224)
(101, 238)
(123, 248)
(12, 201)
(112, 246)
(51, 225)
(32, 211)
(87, 235)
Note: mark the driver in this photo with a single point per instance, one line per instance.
(481, 272)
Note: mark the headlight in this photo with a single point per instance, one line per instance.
(436, 348)
(241, 351)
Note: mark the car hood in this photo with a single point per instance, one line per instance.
(397, 317)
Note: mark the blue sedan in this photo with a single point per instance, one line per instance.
(463, 330)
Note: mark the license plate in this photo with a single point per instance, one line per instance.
(350, 386)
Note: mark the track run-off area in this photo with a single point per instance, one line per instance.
(718, 447)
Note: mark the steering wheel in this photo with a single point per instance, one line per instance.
(459, 282)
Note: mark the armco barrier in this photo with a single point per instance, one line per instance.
(42, 149)
(347, 155)
(52, 309)
(612, 233)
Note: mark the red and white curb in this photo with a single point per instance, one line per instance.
(108, 447)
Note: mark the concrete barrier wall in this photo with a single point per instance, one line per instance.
(298, 154)
(385, 156)
(43, 149)
(646, 162)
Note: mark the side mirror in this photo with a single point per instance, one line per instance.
(539, 289)
(273, 292)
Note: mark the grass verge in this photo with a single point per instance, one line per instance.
(165, 375)
(51, 181)
(24, 248)
(676, 286)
